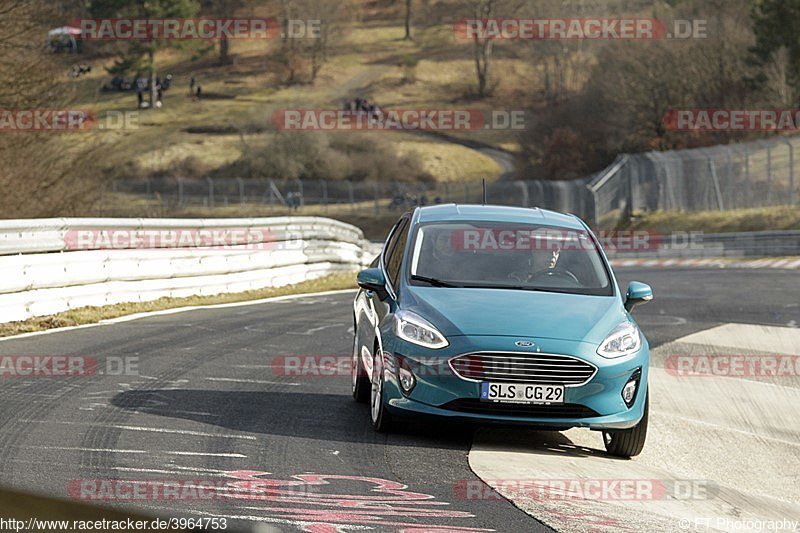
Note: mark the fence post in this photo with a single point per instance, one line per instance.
(325, 194)
(271, 192)
(526, 200)
(377, 204)
(791, 171)
(351, 195)
(769, 174)
(210, 192)
(180, 192)
(728, 170)
(713, 168)
(632, 162)
(747, 175)
(240, 181)
(595, 209)
(302, 193)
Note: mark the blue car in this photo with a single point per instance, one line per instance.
(501, 315)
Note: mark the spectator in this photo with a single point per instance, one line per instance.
(141, 87)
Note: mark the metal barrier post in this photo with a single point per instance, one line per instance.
(350, 195)
(240, 181)
(747, 175)
(769, 174)
(791, 171)
(210, 192)
(526, 201)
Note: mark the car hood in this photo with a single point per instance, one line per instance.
(515, 313)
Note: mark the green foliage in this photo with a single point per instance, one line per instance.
(776, 24)
(132, 56)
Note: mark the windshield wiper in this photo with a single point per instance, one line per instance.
(433, 281)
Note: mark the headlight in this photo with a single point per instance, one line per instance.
(624, 340)
(415, 329)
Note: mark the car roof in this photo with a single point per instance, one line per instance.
(496, 213)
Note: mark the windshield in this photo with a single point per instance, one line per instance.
(508, 256)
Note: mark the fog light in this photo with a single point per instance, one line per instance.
(629, 390)
(405, 376)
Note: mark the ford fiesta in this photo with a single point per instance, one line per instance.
(501, 315)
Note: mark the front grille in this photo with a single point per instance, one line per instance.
(523, 368)
(479, 407)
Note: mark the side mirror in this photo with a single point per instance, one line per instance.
(638, 294)
(372, 279)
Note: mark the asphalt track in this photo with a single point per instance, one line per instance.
(209, 399)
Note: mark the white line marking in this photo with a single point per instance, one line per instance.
(145, 470)
(167, 452)
(311, 331)
(253, 381)
(198, 469)
(142, 428)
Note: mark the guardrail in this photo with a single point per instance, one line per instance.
(53, 265)
(684, 245)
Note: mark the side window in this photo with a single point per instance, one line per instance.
(395, 234)
(395, 258)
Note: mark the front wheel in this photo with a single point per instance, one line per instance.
(381, 418)
(628, 443)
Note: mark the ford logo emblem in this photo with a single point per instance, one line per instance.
(525, 344)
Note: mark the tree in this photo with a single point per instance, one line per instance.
(136, 51)
(482, 44)
(310, 50)
(776, 24)
(408, 20)
(41, 174)
(223, 9)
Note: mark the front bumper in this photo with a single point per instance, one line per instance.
(596, 404)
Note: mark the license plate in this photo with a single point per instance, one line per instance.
(522, 393)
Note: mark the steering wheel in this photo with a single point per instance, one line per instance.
(557, 272)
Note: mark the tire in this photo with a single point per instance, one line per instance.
(381, 418)
(628, 443)
(361, 384)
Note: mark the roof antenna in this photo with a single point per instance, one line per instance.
(484, 191)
